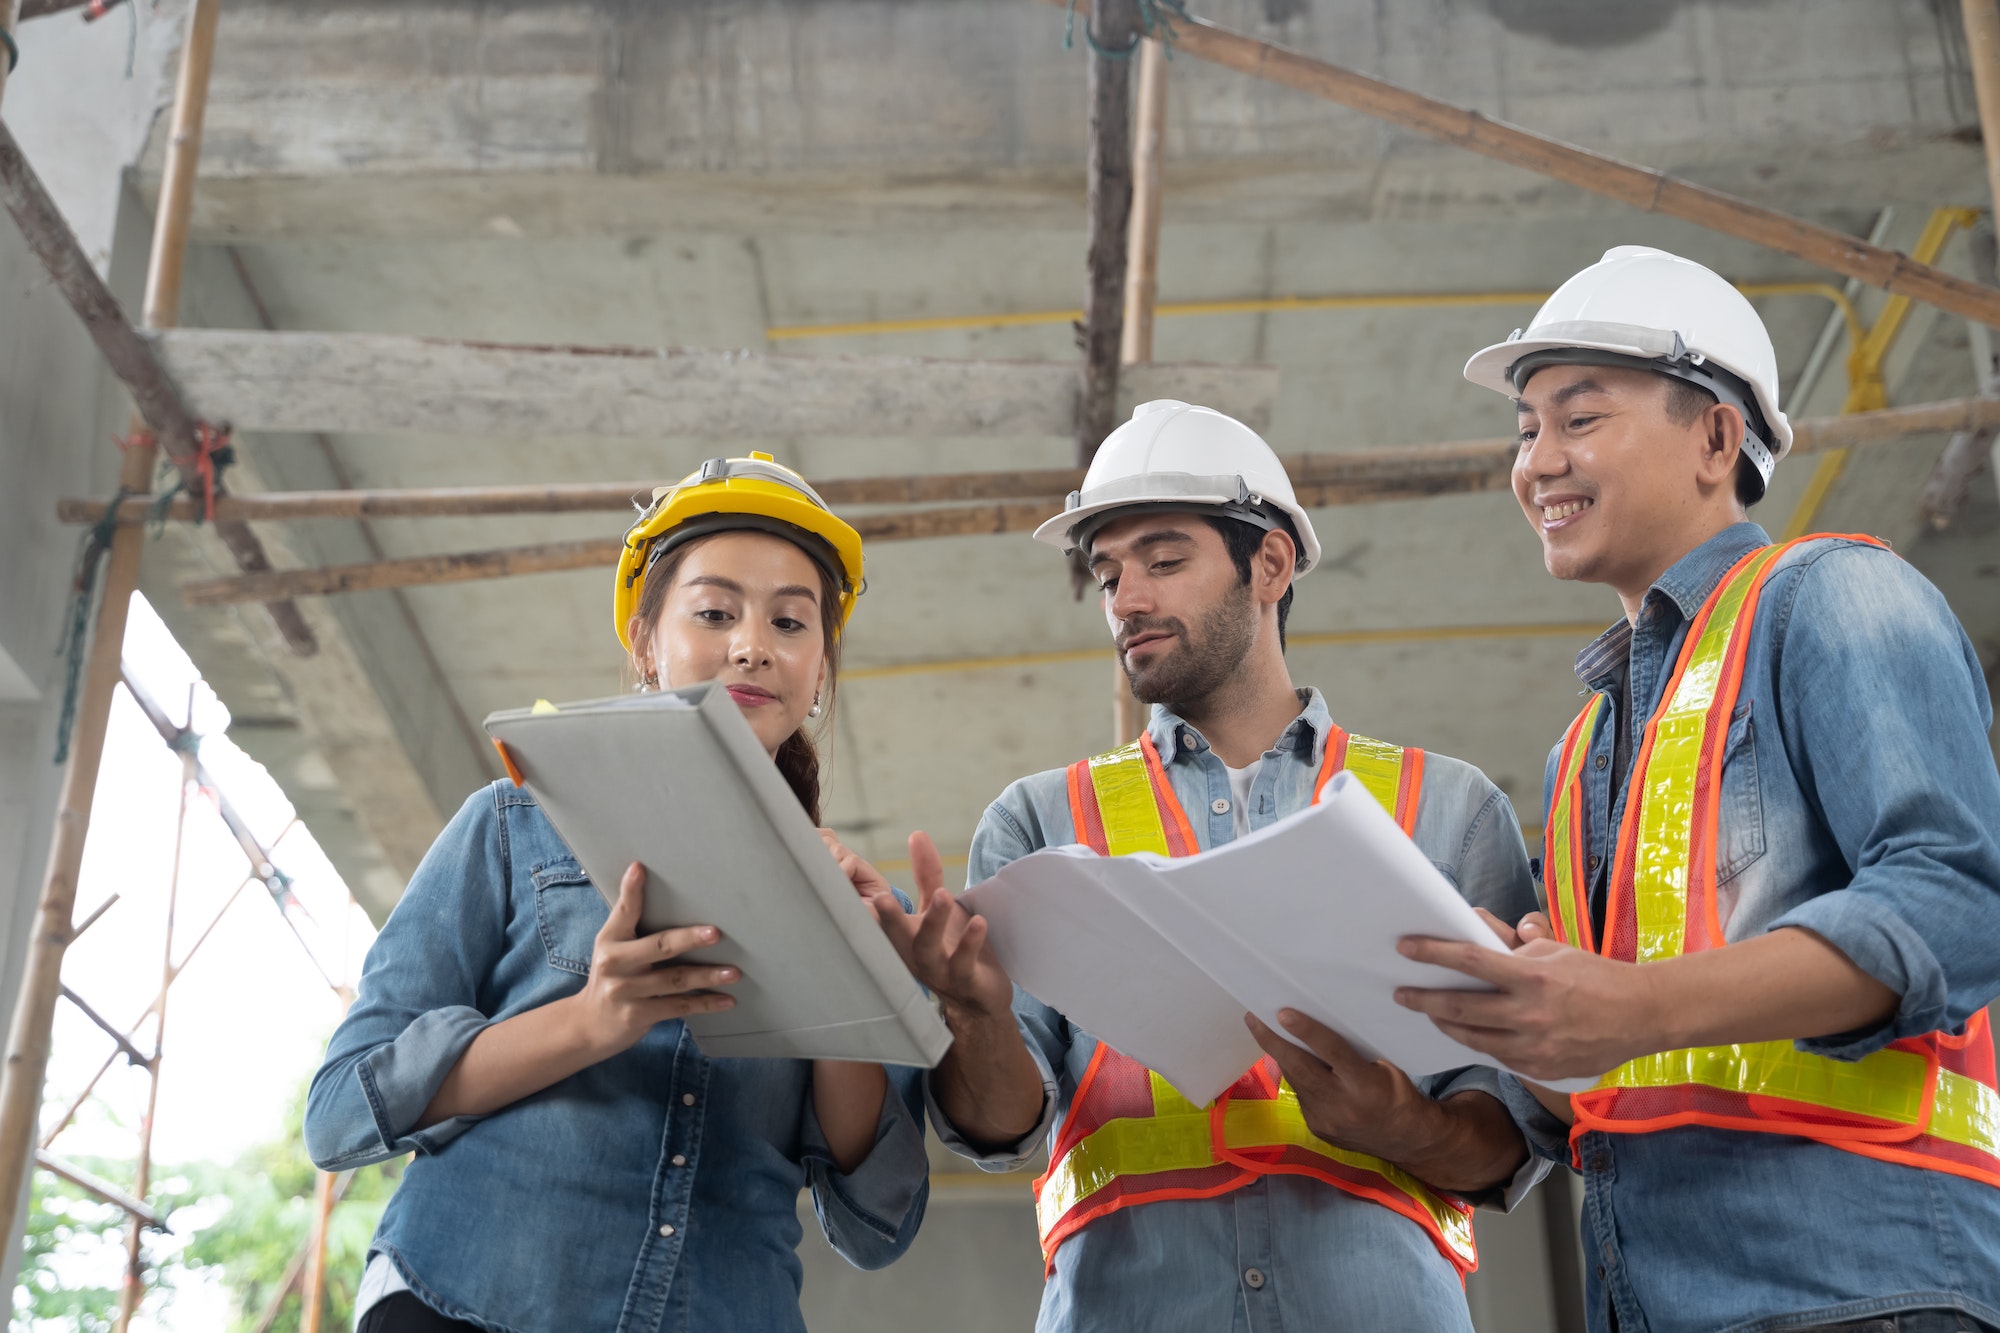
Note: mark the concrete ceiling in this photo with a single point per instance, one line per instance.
(696, 174)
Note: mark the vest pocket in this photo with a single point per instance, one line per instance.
(1740, 840)
(568, 913)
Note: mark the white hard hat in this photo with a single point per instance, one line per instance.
(1181, 457)
(1654, 311)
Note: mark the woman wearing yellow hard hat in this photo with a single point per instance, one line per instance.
(580, 1164)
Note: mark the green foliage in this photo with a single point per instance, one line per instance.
(69, 1233)
(250, 1220)
(267, 1217)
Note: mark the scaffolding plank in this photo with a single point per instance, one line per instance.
(387, 384)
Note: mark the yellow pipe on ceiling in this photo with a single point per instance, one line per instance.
(1868, 349)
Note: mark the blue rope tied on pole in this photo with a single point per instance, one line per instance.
(1155, 19)
(76, 630)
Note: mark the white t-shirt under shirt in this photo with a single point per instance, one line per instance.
(1239, 794)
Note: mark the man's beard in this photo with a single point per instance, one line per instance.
(1197, 665)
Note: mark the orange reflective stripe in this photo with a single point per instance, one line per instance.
(1393, 774)
(1564, 882)
(1655, 846)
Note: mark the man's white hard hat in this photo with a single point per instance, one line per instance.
(1655, 311)
(1182, 458)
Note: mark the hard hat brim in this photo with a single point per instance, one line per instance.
(1491, 367)
(779, 506)
(1059, 531)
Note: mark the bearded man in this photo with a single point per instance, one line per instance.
(1327, 1191)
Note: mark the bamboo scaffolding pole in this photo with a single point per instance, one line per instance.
(34, 9)
(1350, 476)
(1982, 45)
(103, 1189)
(1643, 188)
(1142, 290)
(1142, 258)
(121, 1040)
(263, 866)
(295, 1270)
(161, 409)
(1322, 481)
(134, 1289)
(131, 1029)
(34, 1008)
(590, 497)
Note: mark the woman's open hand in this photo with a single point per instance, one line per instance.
(866, 879)
(634, 984)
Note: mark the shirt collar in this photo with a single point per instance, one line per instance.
(1687, 584)
(1305, 737)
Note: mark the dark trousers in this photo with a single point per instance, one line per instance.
(404, 1313)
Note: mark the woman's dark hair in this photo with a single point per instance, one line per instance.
(798, 756)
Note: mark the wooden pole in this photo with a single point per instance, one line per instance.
(34, 1009)
(1113, 26)
(1142, 290)
(295, 1271)
(610, 497)
(1142, 261)
(131, 357)
(1641, 187)
(312, 1299)
(1350, 476)
(134, 1290)
(1982, 44)
(1322, 481)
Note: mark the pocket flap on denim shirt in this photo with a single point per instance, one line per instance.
(1741, 838)
(569, 911)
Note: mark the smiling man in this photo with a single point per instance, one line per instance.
(1325, 1191)
(1770, 862)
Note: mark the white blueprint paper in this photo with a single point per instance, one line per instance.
(1161, 958)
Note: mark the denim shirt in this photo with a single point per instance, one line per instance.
(1860, 802)
(656, 1190)
(1285, 1251)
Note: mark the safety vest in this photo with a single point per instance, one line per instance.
(1129, 1137)
(1928, 1101)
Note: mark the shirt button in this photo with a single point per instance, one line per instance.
(666, 1231)
(1187, 739)
(687, 1099)
(1220, 805)
(1254, 1278)
(680, 1160)
(1602, 760)
(1594, 861)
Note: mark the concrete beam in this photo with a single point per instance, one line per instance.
(376, 383)
(454, 119)
(367, 737)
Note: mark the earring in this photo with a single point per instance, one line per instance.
(814, 710)
(648, 684)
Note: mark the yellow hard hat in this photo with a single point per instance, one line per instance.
(754, 494)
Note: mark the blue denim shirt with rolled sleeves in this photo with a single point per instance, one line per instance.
(1860, 802)
(1285, 1252)
(655, 1190)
